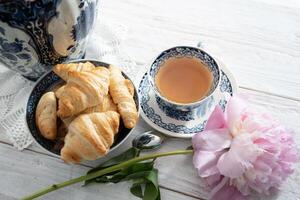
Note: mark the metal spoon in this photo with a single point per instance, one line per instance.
(148, 140)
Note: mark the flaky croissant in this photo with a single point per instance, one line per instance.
(122, 97)
(45, 116)
(130, 86)
(62, 70)
(67, 120)
(83, 90)
(59, 91)
(106, 105)
(90, 136)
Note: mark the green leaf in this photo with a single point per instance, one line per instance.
(153, 177)
(150, 179)
(158, 196)
(142, 174)
(135, 168)
(127, 155)
(102, 179)
(152, 188)
(138, 167)
(189, 148)
(137, 175)
(123, 174)
(150, 176)
(151, 192)
(136, 190)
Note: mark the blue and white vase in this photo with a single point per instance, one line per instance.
(36, 34)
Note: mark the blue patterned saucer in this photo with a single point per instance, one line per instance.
(178, 123)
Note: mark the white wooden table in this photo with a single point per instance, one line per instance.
(258, 40)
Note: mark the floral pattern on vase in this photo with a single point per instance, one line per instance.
(44, 32)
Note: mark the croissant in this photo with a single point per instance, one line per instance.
(59, 91)
(45, 116)
(67, 120)
(129, 86)
(83, 90)
(106, 105)
(90, 136)
(122, 97)
(62, 70)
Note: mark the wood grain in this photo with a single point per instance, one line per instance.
(25, 172)
(258, 39)
(177, 173)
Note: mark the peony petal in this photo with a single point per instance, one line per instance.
(267, 144)
(286, 169)
(228, 193)
(212, 140)
(213, 180)
(290, 154)
(241, 183)
(238, 196)
(234, 109)
(223, 191)
(268, 158)
(257, 122)
(216, 119)
(206, 162)
(223, 183)
(262, 167)
(240, 157)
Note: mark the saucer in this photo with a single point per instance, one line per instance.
(177, 123)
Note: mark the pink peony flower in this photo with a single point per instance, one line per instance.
(241, 151)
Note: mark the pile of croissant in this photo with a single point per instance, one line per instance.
(89, 105)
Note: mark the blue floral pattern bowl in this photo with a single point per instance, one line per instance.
(46, 83)
(178, 123)
(190, 52)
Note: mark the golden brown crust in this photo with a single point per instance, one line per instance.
(46, 116)
(129, 86)
(122, 97)
(62, 70)
(67, 121)
(106, 105)
(90, 136)
(88, 105)
(83, 90)
(59, 91)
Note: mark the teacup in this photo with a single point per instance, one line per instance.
(184, 110)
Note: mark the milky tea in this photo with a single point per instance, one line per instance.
(184, 80)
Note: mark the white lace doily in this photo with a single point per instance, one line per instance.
(105, 44)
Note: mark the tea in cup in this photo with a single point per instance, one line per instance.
(184, 79)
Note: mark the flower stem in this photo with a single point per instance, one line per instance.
(102, 172)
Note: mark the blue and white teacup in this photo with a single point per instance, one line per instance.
(185, 111)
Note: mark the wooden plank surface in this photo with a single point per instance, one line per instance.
(178, 176)
(258, 39)
(25, 172)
